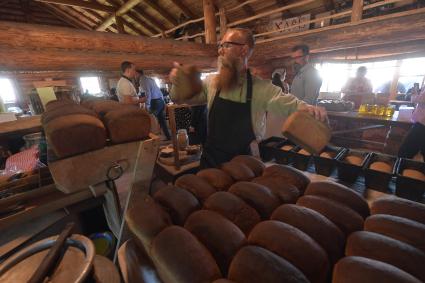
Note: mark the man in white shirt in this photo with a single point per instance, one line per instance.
(126, 91)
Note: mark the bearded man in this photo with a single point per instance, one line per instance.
(237, 101)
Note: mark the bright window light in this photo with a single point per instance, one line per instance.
(7, 93)
(90, 85)
(204, 75)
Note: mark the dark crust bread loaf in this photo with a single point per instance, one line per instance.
(257, 196)
(399, 207)
(287, 193)
(217, 178)
(256, 165)
(293, 245)
(234, 209)
(254, 265)
(180, 258)
(290, 175)
(101, 107)
(354, 269)
(221, 237)
(314, 224)
(341, 194)
(341, 215)
(399, 228)
(200, 188)
(53, 104)
(238, 171)
(388, 250)
(68, 109)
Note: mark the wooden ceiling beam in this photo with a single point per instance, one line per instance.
(121, 11)
(82, 4)
(184, 9)
(149, 18)
(60, 14)
(133, 27)
(98, 17)
(80, 15)
(247, 8)
(164, 13)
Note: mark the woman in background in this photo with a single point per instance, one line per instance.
(278, 79)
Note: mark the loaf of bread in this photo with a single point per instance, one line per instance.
(291, 175)
(69, 109)
(287, 147)
(314, 224)
(304, 152)
(238, 171)
(414, 174)
(180, 258)
(217, 178)
(294, 245)
(399, 207)
(327, 154)
(101, 107)
(341, 215)
(234, 209)
(399, 228)
(200, 188)
(314, 139)
(388, 250)
(381, 166)
(354, 159)
(75, 134)
(354, 269)
(341, 194)
(220, 236)
(254, 265)
(179, 203)
(53, 104)
(257, 196)
(287, 193)
(256, 165)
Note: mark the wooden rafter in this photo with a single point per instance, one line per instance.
(97, 17)
(132, 27)
(82, 4)
(120, 24)
(151, 30)
(25, 5)
(121, 11)
(329, 5)
(184, 9)
(247, 8)
(60, 14)
(286, 13)
(79, 15)
(149, 18)
(164, 13)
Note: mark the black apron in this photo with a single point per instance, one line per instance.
(230, 130)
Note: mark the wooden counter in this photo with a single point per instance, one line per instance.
(378, 120)
(21, 127)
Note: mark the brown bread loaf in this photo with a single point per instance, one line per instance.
(53, 104)
(180, 258)
(75, 134)
(314, 224)
(354, 159)
(414, 174)
(257, 196)
(341, 194)
(341, 215)
(381, 166)
(234, 209)
(290, 175)
(388, 250)
(69, 109)
(256, 165)
(354, 269)
(402, 229)
(238, 171)
(293, 245)
(217, 178)
(287, 147)
(327, 154)
(304, 152)
(254, 264)
(200, 188)
(220, 236)
(179, 203)
(101, 107)
(287, 193)
(399, 207)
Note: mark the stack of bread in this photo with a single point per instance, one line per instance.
(73, 129)
(247, 223)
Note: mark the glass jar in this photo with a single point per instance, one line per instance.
(182, 139)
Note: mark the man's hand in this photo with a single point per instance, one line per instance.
(319, 113)
(173, 73)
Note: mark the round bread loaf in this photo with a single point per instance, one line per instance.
(293, 245)
(101, 107)
(257, 196)
(314, 224)
(388, 250)
(354, 269)
(68, 109)
(238, 171)
(341, 215)
(290, 175)
(200, 188)
(53, 104)
(414, 174)
(254, 265)
(399, 207)
(180, 258)
(179, 203)
(221, 237)
(256, 165)
(381, 166)
(399, 228)
(287, 193)
(341, 194)
(327, 154)
(304, 152)
(287, 147)
(217, 178)
(234, 209)
(354, 159)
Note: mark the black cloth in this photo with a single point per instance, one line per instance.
(157, 108)
(414, 142)
(230, 129)
(198, 121)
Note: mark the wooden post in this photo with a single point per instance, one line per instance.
(357, 11)
(209, 21)
(394, 83)
(223, 22)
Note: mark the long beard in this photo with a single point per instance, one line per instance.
(229, 73)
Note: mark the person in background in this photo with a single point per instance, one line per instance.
(307, 82)
(414, 141)
(113, 94)
(278, 79)
(126, 91)
(412, 91)
(154, 100)
(358, 89)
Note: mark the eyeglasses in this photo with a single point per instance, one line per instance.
(228, 44)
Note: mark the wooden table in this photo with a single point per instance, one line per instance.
(21, 127)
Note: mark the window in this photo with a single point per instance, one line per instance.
(7, 92)
(90, 85)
